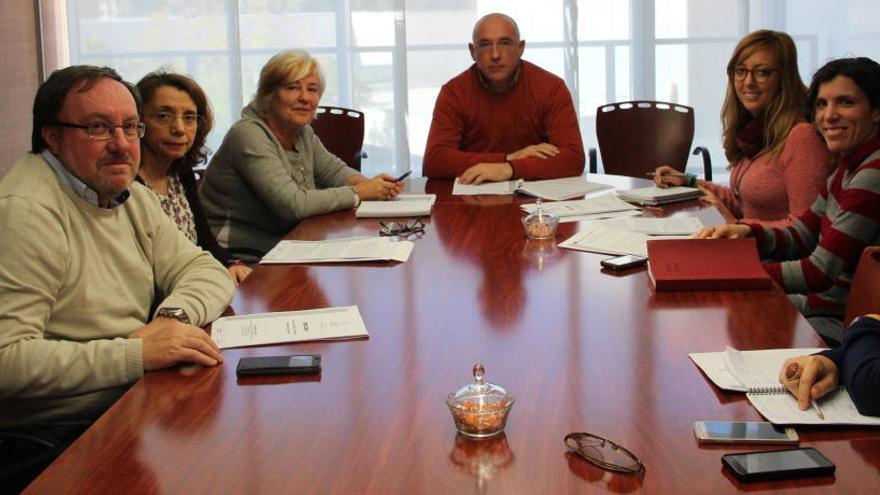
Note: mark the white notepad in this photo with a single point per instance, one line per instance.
(653, 195)
(404, 205)
(757, 372)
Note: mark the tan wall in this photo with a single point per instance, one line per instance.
(19, 78)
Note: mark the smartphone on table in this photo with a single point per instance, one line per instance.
(743, 432)
(623, 262)
(777, 464)
(275, 365)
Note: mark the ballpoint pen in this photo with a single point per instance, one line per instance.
(674, 174)
(816, 408)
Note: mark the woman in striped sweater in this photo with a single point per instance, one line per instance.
(823, 246)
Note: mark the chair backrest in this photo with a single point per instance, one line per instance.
(636, 137)
(341, 131)
(864, 293)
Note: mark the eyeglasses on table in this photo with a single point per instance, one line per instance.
(401, 228)
(604, 453)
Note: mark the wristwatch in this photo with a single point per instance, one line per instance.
(177, 313)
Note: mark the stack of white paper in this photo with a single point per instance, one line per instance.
(291, 326)
(600, 237)
(677, 226)
(404, 205)
(339, 250)
(604, 206)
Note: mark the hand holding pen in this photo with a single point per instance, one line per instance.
(809, 378)
(666, 176)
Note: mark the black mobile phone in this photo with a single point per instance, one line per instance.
(623, 262)
(777, 464)
(274, 365)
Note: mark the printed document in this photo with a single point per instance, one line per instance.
(598, 237)
(605, 203)
(553, 189)
(404, 205)
(290, 326)
(658, 226)
(339, 250)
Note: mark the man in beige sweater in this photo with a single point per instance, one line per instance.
(97, 285)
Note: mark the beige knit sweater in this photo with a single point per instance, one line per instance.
(75, 281)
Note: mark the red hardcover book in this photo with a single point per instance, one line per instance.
(706, 264)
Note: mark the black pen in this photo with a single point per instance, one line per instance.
(402, 177)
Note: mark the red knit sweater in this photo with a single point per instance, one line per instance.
(472, 125)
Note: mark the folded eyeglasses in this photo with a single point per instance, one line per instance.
(400, 228)
(604, 453)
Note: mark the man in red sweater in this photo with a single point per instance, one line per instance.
(503, 117)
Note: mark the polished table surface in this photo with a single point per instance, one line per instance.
(581, 349)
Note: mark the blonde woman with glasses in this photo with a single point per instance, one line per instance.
(778, 163)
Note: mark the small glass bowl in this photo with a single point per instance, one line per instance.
(480, 409)
(540, 224)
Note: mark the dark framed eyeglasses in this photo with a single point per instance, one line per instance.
(604, 453)
(759, 75)
(395, 228)
(103, 131)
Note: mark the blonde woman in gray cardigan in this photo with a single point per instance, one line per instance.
(272, 171)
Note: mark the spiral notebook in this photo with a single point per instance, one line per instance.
(756, 373)
(655, 196)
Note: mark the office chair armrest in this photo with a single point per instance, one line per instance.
(591, 152)
(707, 162)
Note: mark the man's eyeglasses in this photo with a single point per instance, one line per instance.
(102, 131)
(394, 228)
(506, 44)
(190, 120)
(759, 75)
(604, 453)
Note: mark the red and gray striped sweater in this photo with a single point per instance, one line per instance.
(825, 243)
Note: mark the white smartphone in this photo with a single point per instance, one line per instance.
(743, 432)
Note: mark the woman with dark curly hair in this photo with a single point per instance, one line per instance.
(178, 119)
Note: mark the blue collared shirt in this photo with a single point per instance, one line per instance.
(79, 187)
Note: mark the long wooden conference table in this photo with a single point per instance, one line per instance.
(581, 349)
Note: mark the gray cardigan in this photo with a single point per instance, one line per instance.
(255, 191)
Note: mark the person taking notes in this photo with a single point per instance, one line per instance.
(855, 365)
(778, 163)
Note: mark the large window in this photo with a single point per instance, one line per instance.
(390, 57)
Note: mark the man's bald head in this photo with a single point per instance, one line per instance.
(496, 49)
(495, 17)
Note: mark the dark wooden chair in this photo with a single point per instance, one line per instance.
(636, 137)
(341, 130)
(864, 293)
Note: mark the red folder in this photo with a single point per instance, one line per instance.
(706, 264)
